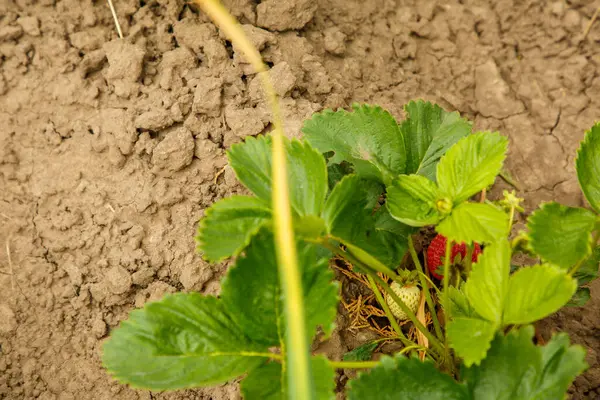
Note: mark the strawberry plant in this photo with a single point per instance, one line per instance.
(360, 186)
(398, 177)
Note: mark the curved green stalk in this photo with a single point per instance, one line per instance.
(447, 256)
(430, 303)
(353, 364)
(446, 299)
(511, 217)
(433, 285)
(299, 377)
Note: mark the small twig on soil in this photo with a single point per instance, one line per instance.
(588, 28)
(114, 14)
(218, 174)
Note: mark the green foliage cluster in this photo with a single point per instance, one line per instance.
(360, 185)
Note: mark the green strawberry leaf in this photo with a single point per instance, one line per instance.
(368, 137)
(516, 369)
(459, 304)
(306, 169)
(307, 178)
(260, 316)
(471, 165)
(588, 166)
(335, 173)
(412, 200)
(267, 383)
(589, 268)
(429, 132)
(229, 224)
(251, 161)
(350, 217)
(475, 222)
(580, 298)
(264, 382)
(405, 378)
(487, 286)
(361, 353)
(561, 235)
(184, 340)
(190, 340)
(471, 338)
(536, 292)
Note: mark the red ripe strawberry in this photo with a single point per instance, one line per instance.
(437, 250)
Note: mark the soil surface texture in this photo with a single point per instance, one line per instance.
(111, 149)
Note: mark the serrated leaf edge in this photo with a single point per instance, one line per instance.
(484, 351)
(586, 142)
(202, 224)
(532, 223)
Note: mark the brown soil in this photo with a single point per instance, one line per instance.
(111, 149)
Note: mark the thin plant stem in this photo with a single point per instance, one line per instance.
(511, 217)
(369, 364)
(299, 376)
(415, 347)
(378, 266)
(446, 280)
(431, 283)
(446, 300)
(428, 299)
(388, 313)
(588, 28)
(114, 14)
(353, 364)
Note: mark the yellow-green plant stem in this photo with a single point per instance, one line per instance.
(446, 281)
(377, 266)
(296, 349)
(511, 216)
(446, 300)
(415, 347)
(428, 299)
(431, 283)
(595, 237)
(388, 313)
(353, 364)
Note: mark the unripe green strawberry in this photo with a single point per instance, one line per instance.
(410, 295)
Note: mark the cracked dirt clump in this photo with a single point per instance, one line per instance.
(111, 149)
